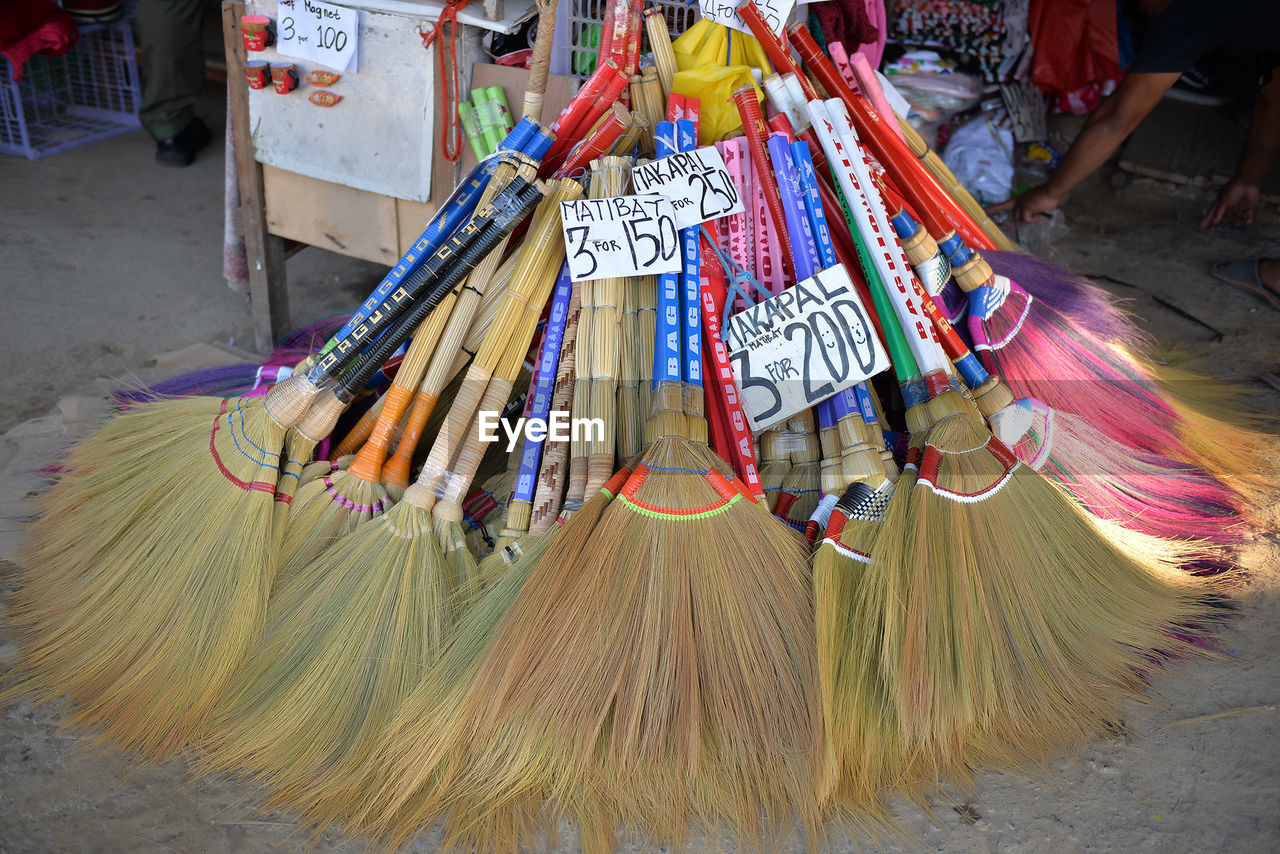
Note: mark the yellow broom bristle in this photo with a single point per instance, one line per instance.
(1223, 436)
(687, 701)
(436, 721)
(346, 639)
(325, 509)
(1008, 629)
(146, 575)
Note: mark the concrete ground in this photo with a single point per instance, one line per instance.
(107, 260)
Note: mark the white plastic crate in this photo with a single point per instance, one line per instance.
(89, 93)
(584, 17)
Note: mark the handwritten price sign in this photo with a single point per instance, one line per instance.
(620, 236)
(696, 182)
(319, 32)
(801, 347)
(774, 12)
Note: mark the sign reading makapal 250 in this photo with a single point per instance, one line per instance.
(801, 347)
(696, 182)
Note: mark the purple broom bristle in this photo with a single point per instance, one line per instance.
(1072, 296)
(243, 378)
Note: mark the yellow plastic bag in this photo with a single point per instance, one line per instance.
(714, 86)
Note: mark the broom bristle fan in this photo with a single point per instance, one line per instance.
(998, 603)
(194, 542)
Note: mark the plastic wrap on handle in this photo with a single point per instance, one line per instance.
(614, 126)
(548, 363)
(805, 253)
(519, 137)
(566, 124)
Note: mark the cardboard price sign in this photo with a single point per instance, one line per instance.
(696, 182)
(802, 346)
(620, 236)
(319, 32)
(774, 12)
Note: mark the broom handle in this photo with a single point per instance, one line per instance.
(540, 64)
(664, 56)
(714, 296)
(845, 163)
(437, 277)
(463, 262)
(518, 511)
(900, 354)
(753, 124)
(440, 324)
(885, 146)
(548, 243)
(452, 212)
(470, 455)
(799, 234)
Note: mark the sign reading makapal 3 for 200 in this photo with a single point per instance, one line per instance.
(802, 346)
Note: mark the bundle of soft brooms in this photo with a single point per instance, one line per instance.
(667, 656)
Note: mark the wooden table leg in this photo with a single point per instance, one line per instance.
(268, 288)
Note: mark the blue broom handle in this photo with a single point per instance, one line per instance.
(690, 277)
(548, 364)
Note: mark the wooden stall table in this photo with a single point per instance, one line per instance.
(358, 178)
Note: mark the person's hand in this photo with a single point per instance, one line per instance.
(1029, 205)
(1235, 201)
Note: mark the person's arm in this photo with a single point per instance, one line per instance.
(1105, 130)
(1261, 150)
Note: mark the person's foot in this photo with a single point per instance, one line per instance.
(181, 148)
(1260, 278)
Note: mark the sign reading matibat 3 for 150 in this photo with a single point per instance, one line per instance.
(802, 346)
(620, 236)
(696, 182)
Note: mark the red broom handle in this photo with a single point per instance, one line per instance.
(601, 141)
(892, 152)
(715, 420)
(620, 15)
(714, 295)
(606, 37)
(567, 125)
(753, 124)
(774, 47)
(633, 42)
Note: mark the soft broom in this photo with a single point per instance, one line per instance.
(147, 574)
(640, 676)
(1005, 626)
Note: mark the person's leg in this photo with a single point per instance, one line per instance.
(1269, 274)
(172, 63)
(1260, 278)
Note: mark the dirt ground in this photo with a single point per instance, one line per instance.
(107, 260)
